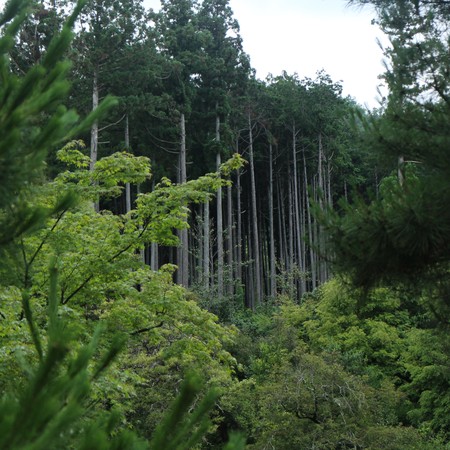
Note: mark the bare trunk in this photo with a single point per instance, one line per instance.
(290, 268)
(206, 246)
(239, 227)
(183, 251)
(297, 210)
(401, 169)
(272, 261)
(322, 196)
(282, 226)
(310, 230)
(127, 148)
(94, 128)
(230, 241)
(257, 265)
(219, 221)
(142, 250)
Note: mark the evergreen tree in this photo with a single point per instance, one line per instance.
(405, 234)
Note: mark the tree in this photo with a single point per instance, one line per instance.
(107, 30)
(404, 234)
(181, 42)
(50, 400)
(401, 238)
(225, 66)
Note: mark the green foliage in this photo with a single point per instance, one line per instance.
(57, 393)
(22, 100)
(335, 371)
(50, 410)
(108, 175)
(403, 235)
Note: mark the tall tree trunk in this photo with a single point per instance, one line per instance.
(206, 247)
(282, 225)
(220, 258)
(310, 229)
(401, 170)
(257, 265)
(183, 251)
(154, 247)
(230, 281)
(322, 196)
(290, 268)
(272, 261)
(298, 231)
(94, 128)
(250, 269)
(238, 227)
(127, 148)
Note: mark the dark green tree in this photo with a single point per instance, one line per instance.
(402, 237)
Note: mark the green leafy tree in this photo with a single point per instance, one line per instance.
(52, 346)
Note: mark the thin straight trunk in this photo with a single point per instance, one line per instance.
(310, 229)
(230, 240)
(322, 196)
(316, 196)
(206, 246)
(257, 271)
(154, 264)
(220, 258)
(183, 260)
(290, 268)
(264, 251)
(303, 200)
(94, 129)
(329, 196)
(272, 261)
(127, 148)
(401, 170)
(250, 278)
(142, 250)
(297, 209)
(238, 227)
(282, 226)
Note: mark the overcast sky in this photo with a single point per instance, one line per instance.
(305, 36)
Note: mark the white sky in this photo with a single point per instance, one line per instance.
(305, 36)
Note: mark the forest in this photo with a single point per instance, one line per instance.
(194, 258)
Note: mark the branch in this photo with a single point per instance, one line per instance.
(46, 237)
(111, 259)
(78, 289)
(112, 124)
(143, 330)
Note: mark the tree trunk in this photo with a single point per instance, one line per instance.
(322, 195)
(297, 209)
(220, 258)
(206, 247)
(183, 252)
(127, 148)
(238, 226)
(230, 280)
(310, 229)
(272, 261)
(257, 264)
(154, 247)
(290, 268)
(94, 129)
